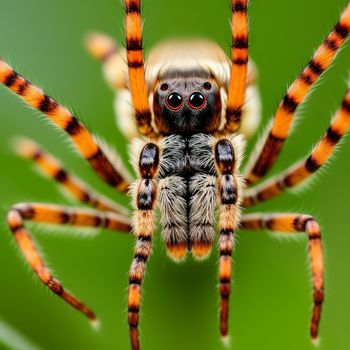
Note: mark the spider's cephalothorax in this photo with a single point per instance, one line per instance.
(189, 106)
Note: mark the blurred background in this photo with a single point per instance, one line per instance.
(271, 300)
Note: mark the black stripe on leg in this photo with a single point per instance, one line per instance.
(315, 67)
(311, 165)
(135, 64)
(141, 257)
(60, 176)
(135, 280)
(132, 8)
(341, 30)
(346, 106)
(306, 78)
(240, 42)
(47, 104)
(239, 7)
(73, 127)
(240, 61)
(10, 80)
(134, 44)
(134, 309)
(333, 136)
(289, 104)
(331, 44)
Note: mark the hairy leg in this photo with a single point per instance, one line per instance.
(239, 66)
(227, 159)
(53, 214)
(84, 141)
(52, 168)
(304, 169)
(137, 80)
(294, 223)
(145, 194)
(263, 158)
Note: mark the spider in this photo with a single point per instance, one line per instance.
(191, 109)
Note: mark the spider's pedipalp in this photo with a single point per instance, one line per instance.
(292, 223)
(304, 169)
(52, 168)
(145, 194)
(59, 115)
(259, 165)
(53, 214)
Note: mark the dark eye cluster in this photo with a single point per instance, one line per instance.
(175, 101)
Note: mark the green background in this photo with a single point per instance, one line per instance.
(271, 300)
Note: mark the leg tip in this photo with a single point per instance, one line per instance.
(315, 341)
(226, 341)
(95, 324)
(99, 45)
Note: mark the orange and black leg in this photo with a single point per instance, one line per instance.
(267, 155)
(61, 117)
(303, 170)
(239, 66)
(293, 223)
(135, 58)
(145, 198)
(52, 168)
(112, 57)
(228, 184)
(53, 214)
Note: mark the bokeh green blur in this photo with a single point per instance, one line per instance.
(271, 300)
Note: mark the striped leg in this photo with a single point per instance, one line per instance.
(115, 69)
(297, 223)
(60, 116)
(228, 183)
(52, 168)
(113, 58)
(137, 81)
(278, 132)
(239, 66)
(145, 197)
(301, 171)
(45, 213)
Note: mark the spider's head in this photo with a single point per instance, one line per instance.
(187, 105)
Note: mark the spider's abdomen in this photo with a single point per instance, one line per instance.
(187, 194)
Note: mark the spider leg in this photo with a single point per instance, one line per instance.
(113, 59)
(52, 168)
(302, 170)
(115, 69)
(59, 115)
(297, 223)
(228, 185)
(137, 80)
(53, 214)
(239, 66)
(265, 157)
(145, 196)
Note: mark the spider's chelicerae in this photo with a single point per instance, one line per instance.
(187, 114)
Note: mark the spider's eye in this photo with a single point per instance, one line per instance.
(174, 101)
(164, 87)
(207, 85)
(196, 100)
